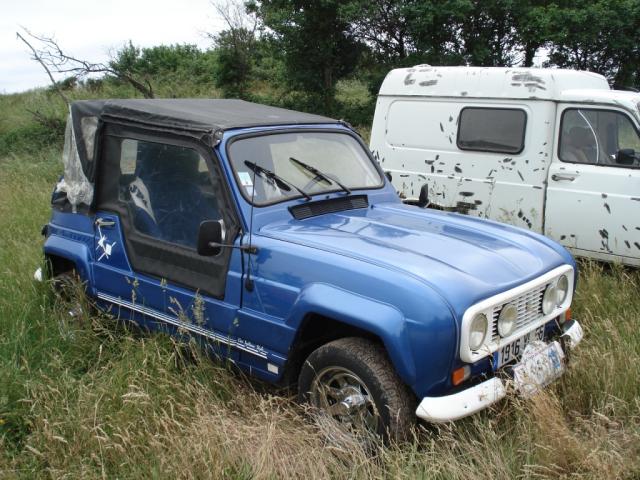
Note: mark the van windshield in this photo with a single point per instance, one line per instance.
(281, 166)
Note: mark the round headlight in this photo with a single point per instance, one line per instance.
(562, 289)
(478, 331)
(549, 299)
(507, 320)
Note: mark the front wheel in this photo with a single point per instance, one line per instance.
(70, 293)
(353, 381)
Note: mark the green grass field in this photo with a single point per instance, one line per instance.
(90, 399)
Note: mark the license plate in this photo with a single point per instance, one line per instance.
(513, 350)
(541, 364)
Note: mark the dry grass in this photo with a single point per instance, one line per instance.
(91, 399)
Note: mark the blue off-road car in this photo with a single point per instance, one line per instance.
(275, 237)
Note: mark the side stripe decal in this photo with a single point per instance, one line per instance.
(237, 343)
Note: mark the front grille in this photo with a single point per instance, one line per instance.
(529, 306)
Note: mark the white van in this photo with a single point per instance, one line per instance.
(555, 151)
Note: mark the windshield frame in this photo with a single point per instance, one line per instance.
(336, 129)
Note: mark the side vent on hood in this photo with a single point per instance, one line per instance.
(333, 205)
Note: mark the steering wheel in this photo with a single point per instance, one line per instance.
(172, 228)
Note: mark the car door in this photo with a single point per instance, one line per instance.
(152, 196)
(593, 194)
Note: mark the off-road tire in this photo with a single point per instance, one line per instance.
(394, 401)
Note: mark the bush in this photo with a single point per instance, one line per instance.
(355, 103)
(32, 138)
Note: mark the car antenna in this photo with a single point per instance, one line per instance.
(248, 283)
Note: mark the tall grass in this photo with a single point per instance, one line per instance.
(91, 399)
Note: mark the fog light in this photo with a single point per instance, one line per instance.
(507, 320)
(549, 299)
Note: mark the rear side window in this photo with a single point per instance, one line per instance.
(499, 130)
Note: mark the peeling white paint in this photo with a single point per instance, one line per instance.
(414, 137)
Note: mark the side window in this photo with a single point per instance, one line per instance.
(598, 137)
(166, 189)
(499, 130)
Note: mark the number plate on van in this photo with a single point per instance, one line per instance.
(513, 350)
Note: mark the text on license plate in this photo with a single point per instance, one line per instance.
(513, 350)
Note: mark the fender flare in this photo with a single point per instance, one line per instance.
(381, 319)
(76, 252)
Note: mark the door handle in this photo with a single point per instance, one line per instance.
(558, 177)
(101, 222)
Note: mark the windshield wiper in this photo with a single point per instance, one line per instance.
(319, 174)
(279, 181)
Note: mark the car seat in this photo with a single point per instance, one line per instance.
(579, 146)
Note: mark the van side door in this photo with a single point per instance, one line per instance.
(593, 193)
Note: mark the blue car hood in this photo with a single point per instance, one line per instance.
(465, 259)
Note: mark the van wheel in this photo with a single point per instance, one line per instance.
(352, 381)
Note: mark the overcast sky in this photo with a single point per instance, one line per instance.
(90, 29)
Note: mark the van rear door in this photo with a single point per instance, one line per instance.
(593, 194)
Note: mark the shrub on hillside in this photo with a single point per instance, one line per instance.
(33, 137)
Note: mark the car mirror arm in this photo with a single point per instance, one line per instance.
(251, 249)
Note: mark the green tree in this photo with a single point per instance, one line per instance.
(316, 45)
(602, 36)
(236, 57)
(155, 64)
(236, 48)
(382, 26)
(531, 20)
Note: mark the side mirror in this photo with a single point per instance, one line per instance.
(626, 156)
(210, 237)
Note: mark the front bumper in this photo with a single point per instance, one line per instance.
(474, 399)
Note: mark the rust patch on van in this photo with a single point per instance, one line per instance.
(527, 79)
(605, 239)
(464, 207)
(522, 217)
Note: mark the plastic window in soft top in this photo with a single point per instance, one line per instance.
(75, 184)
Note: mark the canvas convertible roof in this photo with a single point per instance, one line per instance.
(202, 119)
(199, 116)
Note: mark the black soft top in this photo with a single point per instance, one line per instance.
(204, 118)
(201, 119)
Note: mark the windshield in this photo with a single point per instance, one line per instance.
(280, 166)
